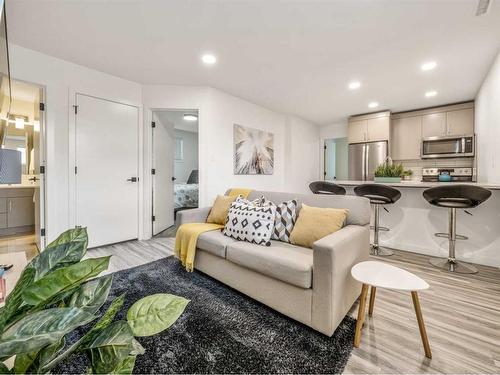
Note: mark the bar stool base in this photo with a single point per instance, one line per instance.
(447, 235)
(380, 251)
(452, 265)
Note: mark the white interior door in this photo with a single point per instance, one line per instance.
(106, 168)
(163, 186)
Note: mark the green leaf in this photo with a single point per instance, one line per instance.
(126, 366)
(50, 352)
(62, 280)
(155, 313)
(113, 344)
(5, 370)
(24, 361)
(14, 300)
(42, 328)
(69, 248)
(92, 295)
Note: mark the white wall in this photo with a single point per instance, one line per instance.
(59, 77)
(302, 155)
(183, 168)
(488, 126)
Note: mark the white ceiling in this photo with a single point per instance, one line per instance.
(291, 56)
(177, 118)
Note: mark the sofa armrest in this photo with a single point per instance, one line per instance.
(334, 289)
(194, 215)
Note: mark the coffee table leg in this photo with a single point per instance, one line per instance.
(373, 291)
(361, 315)
(421, 326)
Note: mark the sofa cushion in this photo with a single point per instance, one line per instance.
(282, 261)
(214, 242)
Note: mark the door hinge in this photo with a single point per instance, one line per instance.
(42, 107)
(76, 169)
(75, 107)
(324, 147)
(153, 171)
(153, 124)
(42, 169)
(153, 218)
(42, 232)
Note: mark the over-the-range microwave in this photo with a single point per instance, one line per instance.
(448, 147)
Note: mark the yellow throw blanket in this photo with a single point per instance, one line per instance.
(187, 235)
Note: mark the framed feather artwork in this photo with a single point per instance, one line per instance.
(253, 151)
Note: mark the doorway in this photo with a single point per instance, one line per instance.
(335, 159)
(175, 185)
(22, 204)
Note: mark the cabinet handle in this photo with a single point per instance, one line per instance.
(10, 206)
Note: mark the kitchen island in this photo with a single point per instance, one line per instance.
(413, 221)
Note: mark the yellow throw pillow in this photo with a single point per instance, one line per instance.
(219, 210)
(314, 223)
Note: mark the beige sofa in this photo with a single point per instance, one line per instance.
(313, 286)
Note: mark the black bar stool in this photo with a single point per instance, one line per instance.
(453, 197)
(378, 195)
(325, 187)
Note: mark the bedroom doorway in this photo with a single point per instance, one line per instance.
(175, 167)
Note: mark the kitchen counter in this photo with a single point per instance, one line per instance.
(19, 186)
(414, 184)
(413, 222)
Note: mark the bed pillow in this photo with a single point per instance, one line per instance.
(219, 210)
(314, 223)
(250, 223)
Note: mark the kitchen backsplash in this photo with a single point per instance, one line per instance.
(417, 165)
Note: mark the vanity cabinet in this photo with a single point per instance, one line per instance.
(406, 138)
(17, 209)
(369, 128)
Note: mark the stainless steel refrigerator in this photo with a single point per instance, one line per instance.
(364, 158)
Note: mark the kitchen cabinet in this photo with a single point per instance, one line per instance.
(406, 138)
(434, 125)
(356, 131)
(460, 122)
(369, 128)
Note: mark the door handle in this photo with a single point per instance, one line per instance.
(173, 178)
(132, 179)
(34, 179)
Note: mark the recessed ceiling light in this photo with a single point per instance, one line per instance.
(428, 65)
(190, 117)
(209, 59)
(373, 105)
(354, 85)
(430, 94)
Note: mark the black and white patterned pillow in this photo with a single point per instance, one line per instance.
(249, 222)
(286, 216)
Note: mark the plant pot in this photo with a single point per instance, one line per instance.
(392, 180)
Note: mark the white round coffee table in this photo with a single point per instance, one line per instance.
(383, 275)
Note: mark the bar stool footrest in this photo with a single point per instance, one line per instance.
(447, 235)
(380, 251)
(381, 229)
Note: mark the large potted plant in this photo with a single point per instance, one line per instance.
(57, 293)
(389, 172)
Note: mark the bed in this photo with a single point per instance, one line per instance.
(186, 196)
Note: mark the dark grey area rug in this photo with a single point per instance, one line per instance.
(222, 330)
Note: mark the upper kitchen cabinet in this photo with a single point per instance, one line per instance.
(454, 120)
(406, 138)
(434, 124)
(460, 122)
(369, 128)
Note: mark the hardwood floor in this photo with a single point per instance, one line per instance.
(461, 314)
(462, 318)
(19, 243)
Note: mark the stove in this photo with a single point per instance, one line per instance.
(456, 174)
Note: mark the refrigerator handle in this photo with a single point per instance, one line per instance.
(363, 164)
